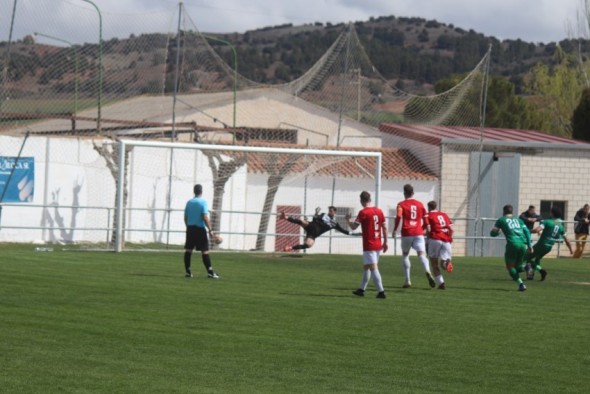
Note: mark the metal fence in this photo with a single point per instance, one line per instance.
(172, 234)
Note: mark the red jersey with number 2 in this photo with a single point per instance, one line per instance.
(439, 226)
(371, 220)
(412, 213)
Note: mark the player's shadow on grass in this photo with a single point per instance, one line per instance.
(400, 290)
(508, 289)
(317, 295)
(158, 275)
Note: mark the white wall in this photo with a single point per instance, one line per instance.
(69, 171)
(319, 194)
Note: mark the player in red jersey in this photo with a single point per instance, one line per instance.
(372, 222)
(413, 214)
(440, 237)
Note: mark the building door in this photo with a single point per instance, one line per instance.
(494, 181)
(288, 234)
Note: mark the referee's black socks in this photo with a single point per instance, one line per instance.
(207, 262)
(187, 262)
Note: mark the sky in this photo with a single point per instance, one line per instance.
(530, 20)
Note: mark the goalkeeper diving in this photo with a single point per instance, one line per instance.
(320, 224)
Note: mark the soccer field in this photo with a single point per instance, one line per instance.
(78, 321)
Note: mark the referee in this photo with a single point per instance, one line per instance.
(196, 219)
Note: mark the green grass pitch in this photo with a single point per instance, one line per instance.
(78, 321)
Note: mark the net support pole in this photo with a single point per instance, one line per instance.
(176, 74)
(482, 121)
(120, 193)
(6, 65)
(100, 71)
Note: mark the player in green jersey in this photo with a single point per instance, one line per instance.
(518, 243)
(551, 230)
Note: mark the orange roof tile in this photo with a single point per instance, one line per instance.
(396, 163)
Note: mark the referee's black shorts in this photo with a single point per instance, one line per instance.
(196, 238)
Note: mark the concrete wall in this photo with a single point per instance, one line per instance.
(454, 194)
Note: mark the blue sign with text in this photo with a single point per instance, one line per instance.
(22, 180)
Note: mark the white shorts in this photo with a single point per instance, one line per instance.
(439, 249)
(371, 257)
(415, 242)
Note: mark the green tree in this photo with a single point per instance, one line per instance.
(557, 89)
(504, 108)
(581, 118)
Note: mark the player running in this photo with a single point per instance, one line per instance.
(320, 224)
(518, 242)
(440, 238)
(551, 230)
(413, 214)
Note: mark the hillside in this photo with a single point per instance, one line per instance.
(414, 53)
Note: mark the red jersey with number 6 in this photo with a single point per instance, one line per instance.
(440, 226)
(371, 220)
(413, 213)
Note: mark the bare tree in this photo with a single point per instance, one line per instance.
(276, 176)
(110, 152)
(222, 170)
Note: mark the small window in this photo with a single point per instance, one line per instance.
(268, 135)
(547, 205)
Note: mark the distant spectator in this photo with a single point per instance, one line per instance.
(530, 217)
(581, 230)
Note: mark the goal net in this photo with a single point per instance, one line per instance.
(246, 187)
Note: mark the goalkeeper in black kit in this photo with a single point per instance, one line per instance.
(321, 223)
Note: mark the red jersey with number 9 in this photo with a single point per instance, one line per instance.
(371, 220)
(412, 212)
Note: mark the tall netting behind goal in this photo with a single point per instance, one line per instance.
(159, 79)
(67, 59)
(247, 187)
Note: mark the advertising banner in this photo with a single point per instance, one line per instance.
(22, 181)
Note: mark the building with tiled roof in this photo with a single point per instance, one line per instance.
(471, 171)
(70, 169)
(482, 169)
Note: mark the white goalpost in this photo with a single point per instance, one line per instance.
(245, 185)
